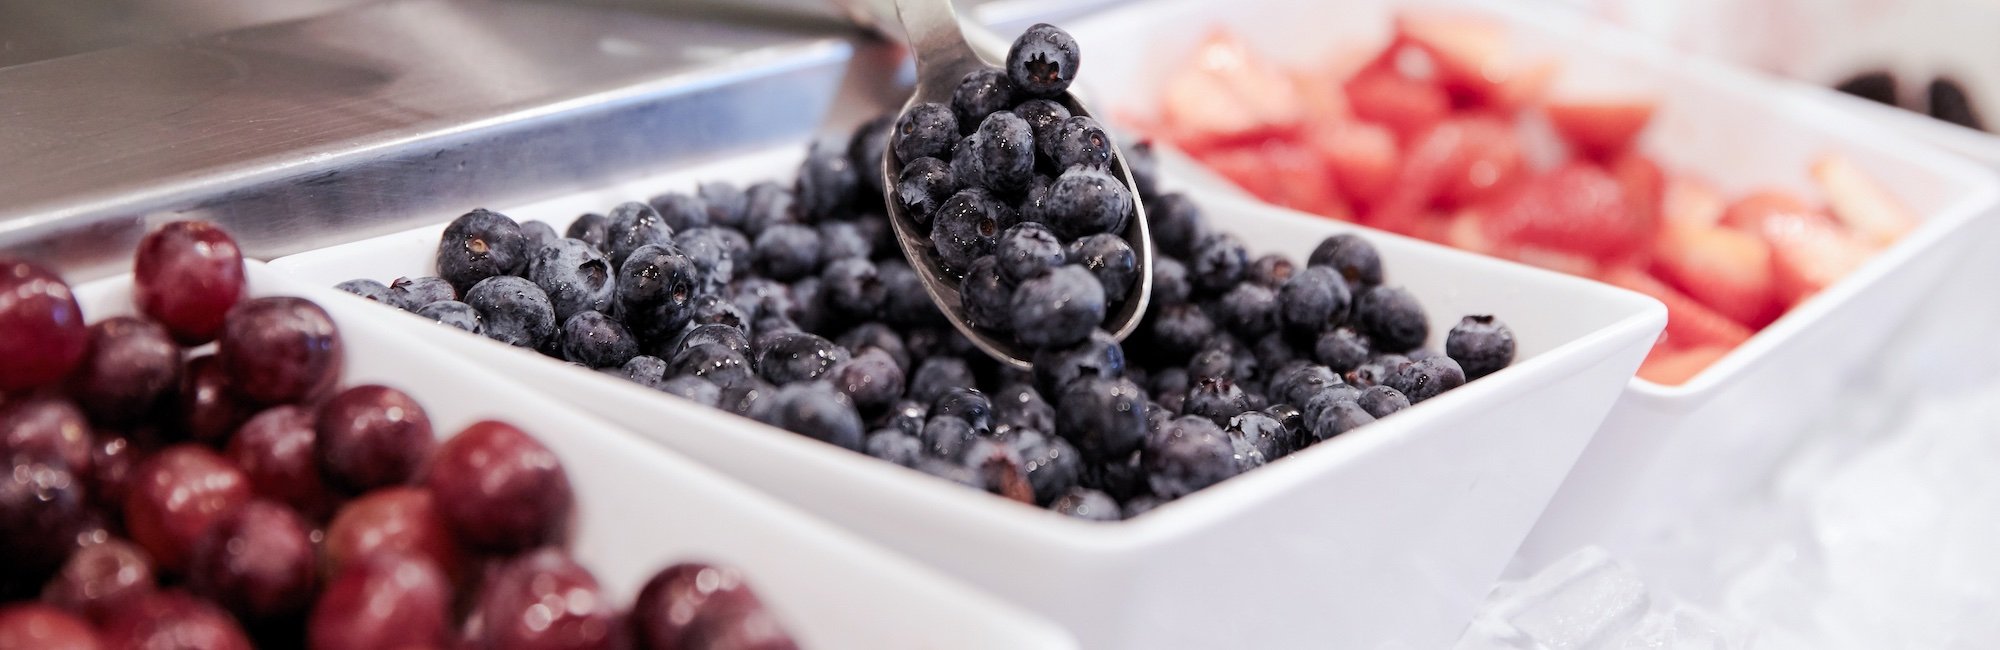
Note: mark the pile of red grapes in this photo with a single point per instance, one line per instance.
(163, 495)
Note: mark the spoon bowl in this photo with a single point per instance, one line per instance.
(943, 60)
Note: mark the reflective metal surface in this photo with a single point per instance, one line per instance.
(36, 30)
(302, 134)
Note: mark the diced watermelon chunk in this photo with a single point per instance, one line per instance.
(1228, 94)
(1577, 208)
(1600, 129)
(1407, 106)
(1362, 156)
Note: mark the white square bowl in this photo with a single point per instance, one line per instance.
(1663, 448)
(640, 508)
(1390, 534)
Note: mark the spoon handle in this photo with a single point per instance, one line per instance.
(935, 38)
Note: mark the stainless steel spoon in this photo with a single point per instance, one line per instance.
(943, 59)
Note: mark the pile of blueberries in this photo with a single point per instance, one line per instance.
(792, 306)
(157, 496)
(1019, 199)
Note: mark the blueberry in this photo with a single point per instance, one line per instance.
(1104, 418)
(761, 297)
(1367, 374)
(1171, 381)
(809, 308)
(596, 340)
(1211, 362)
(907, 415)
(852, 288)
(924, 184)
(826, 183)
(713, 309)
(865, 149)
(843, 240)
(1171, 285)
(1053, 466)
(1263, 432)
(1006, 152)
(896, 447)
(412, 294)
(1018, 406)
(1141, 505)
(1144, 165)
(1481, 345)
(1353, 257)
(981, 93)
(987, 296)
(951, 469)
(1215, 398)
(1391, 318)
(1123, 478)
(1028, 250)
(1219, 262)
(872, 379)
(369, 290)
(1341, 349)
(907, 303)
(1086, 504)
(1176, 224)
(967, 404)
(719, 334)
(725, 202)
(927, 130)
(1097, 356)
(1340, 417)
(1080, 141)
(1313, 301)
(1270, 271)
(1059, 309)
(1111, 259)
(1181, 329)
(478, 245)
(746, 398)
(861, 338)
(1044, 117)
(815, 410)
(1380, 401)
(536, 234)
(966, 226)
(1317, 404)
(1245, 452)
(786, 252)
(937, 374)
(1299, 385)
(634, 225)
(966, 166)
(1086, 201)
(1249, 310)
(714, 261)
(1000, 468)
(1188, 454)
(1043, 61)
(591, 227)
(1273, 351)
(877, 235)
(693, 389)
(1425, 379)
(645, 370)
(455, 314)
(655, 291)
(789, 357)
(1292, 418)
(947, 437)
(716, 363)
(766, 204)
(680, 210)
(575, 276)
(513, 311)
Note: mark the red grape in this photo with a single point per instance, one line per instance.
(100, 578)
(257, 561)
(187, 276)
(173, 619)
(129, 367)
(499, 489)
(45, 430)
(275, 451)
(372, 436)
(394, 519)
(175, 496)
(544, 601)
(209, 411)
(35, 626)
(42, 334)
(381, 601)
(281, 350)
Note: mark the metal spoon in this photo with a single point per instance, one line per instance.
(943, 59)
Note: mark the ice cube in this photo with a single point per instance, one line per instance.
(1585, 600)
(1684, 628)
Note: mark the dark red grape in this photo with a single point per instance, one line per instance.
(35, 626)
(175, 496)
(544, 600)
(42, 334)
(401, 520)
(100, 578)
(129, 368)
(45, 430)
(113, 456)
(694, 605)
(275, 451)
(499, 489)
(173, 619)
(209, 410)
(372, 436)
(384, 600)
(186, 276)
(257, 561)
(43, 508)
(280, 350)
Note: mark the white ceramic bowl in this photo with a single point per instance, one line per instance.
(1663, 448)
(641, 507)
(1388, 534)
